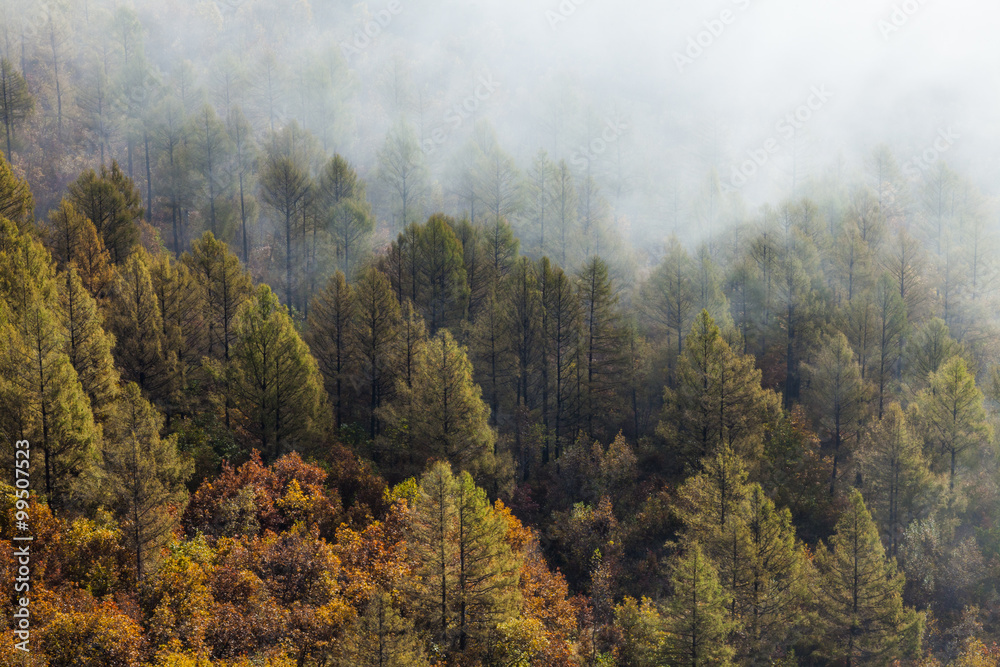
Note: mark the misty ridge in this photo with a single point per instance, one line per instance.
(483, 333)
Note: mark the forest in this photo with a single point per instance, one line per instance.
(310, 381)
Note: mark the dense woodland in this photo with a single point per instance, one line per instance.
(285, 411)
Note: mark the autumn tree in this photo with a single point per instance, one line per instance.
(382, 637)
(862, 618)
(16, 200)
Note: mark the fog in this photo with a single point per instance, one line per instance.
(778, 98)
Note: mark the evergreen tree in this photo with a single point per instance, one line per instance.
(562, 345)
(862, 618)
(331, 339)
(491, 352)
(349, 217)
(74, 242)
(837, 396)
(140, 476)
(16, 102)
(443, 412)
(224, 286)
(278, 390)
(895, 475)
(16, 201)
(112, 202)
(719, 399)
(137, 324)
(890, 329)
(443, 292)
(87, 344)
(928, 349)
(602, 337)
(468, 569)
(284, 186)
(952, 417)
(382, 637)
(376, 338)
(696, 615)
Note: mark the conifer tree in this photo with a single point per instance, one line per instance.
(140, 476)
(16, 202)
(331, 340)
(443, 292)
(602, 337)
(952, 417)
(112, 202)
(696, 616)
(862, 617)
(562, 344)
(719, 399)
(890, 329)
(284, 185)
(468, 569)
(491, 351)
(278, 390)
(837, 396)
(525, 330)
(137, 324)
(443, 412)
(87, 344)
(225, 286)
(382, 637)
(895, 475)
(376, 338)
(16, 102)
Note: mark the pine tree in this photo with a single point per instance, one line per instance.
(16, 102)
(443, 292)
(376, 338)
(890, 330)
(602, 336)
(443, 412)
(211, 150)
(382, 637)
(140, 476)
(719, 399)
(112, 202)
(277, 388)
(45, 402)
(837, 396)
(402, 170)
(668, 299)
(87, 344)
(926, 351)
(525, 328)
(862, 617)
(284, 185)
(349, 217)
(952, 417)
(562, 344)
(469, 570)
(185, 336)
(896, 477)
(331, 339)
(224, 285)
(491, 353)
(73, 241)
(136, 321)
(696, 615)
(16, 201)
